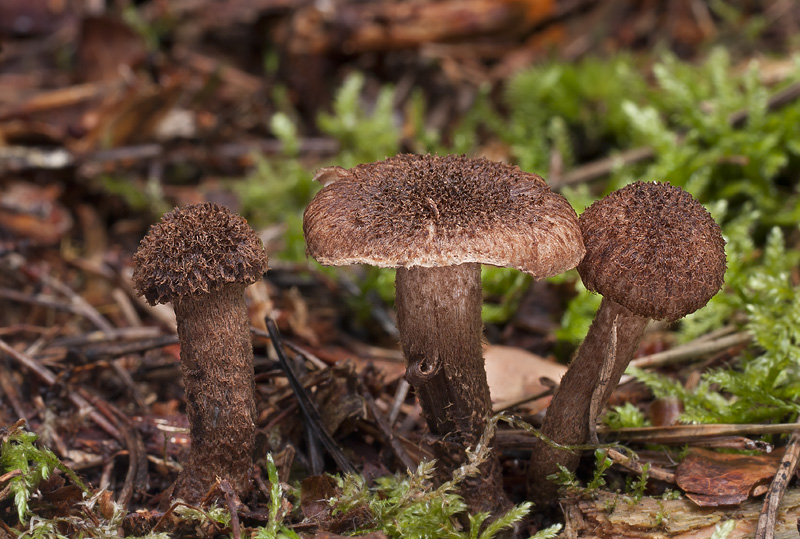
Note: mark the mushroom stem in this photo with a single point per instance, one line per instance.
(570, 412)
(439, 319)
(217, 369)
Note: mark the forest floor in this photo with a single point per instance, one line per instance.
(111, 115)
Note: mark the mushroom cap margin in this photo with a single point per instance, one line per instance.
(427, 210)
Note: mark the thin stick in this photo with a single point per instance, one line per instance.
(45, 300)
(318, 363)
(691, 351)
(386, 430)
(233, 502)
(102, 337)
(399, 398)
(630, 464)
(765, 529)
(83, 307)
(663, 433)
(602, 167)
(306, 405)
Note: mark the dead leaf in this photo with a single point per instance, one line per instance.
(710, 479)
(514, 373)
(131, 118)
(665, 412)
(315, 493)
(106, 44)
(34, 213)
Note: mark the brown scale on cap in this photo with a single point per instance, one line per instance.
(201, 258)
(654, 249)
(653, 252)
(195, 250)
(437, 219)
(422, 210)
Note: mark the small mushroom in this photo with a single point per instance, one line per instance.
(653, 252)
(437, 219)
(201, 258)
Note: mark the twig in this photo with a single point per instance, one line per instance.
(386, 430)
(778, 100)
(44, 300)
(508, 405)
(602, 167)
(306, 405)
(20, 158)
(11, 393)
(83, 307)
(663, 434)
(318, 363)
(233, 503)
(519, 438)
(691, 350)
(399, 398)
(49, 379)
(59, 98)
(114, 350)
(718, 333)
(101, 337)
(765, 528)
(630, 464)
(76, 305)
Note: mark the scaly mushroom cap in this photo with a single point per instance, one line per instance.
(653, 249)
(425, 210)
(196, 250)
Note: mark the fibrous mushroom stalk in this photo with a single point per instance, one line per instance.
(217, 369)
(570, 414)
(439, 318)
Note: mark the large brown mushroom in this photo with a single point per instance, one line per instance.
(653, 252)
(201, 258)
(437, 219)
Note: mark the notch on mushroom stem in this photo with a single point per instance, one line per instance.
(437, 219)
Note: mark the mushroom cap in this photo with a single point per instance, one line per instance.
(195, 250)
(427, 210)
(653, 249)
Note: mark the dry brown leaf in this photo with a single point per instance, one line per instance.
(709, 478)
(514, 373)
(34, 213)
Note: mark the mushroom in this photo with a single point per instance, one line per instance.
(437, 219)
(201, 258)
(653, 252)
